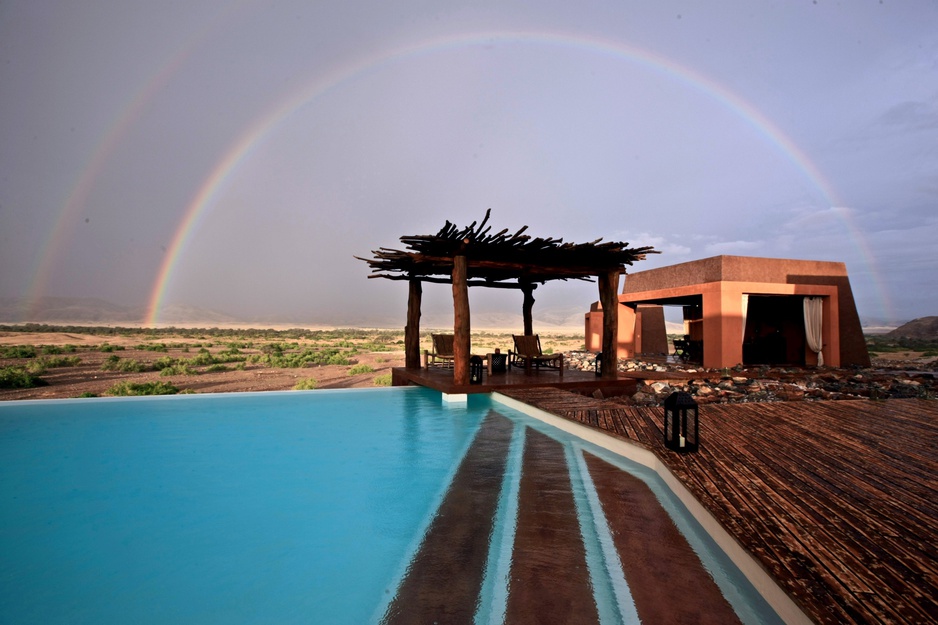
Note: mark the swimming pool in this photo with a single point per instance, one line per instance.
(316, 507)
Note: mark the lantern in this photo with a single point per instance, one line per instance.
(475, 370)
(681, 430)
(598, 364)
(498, 361)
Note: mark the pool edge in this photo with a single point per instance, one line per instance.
(765, 585)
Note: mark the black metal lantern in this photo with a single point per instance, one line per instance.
(598, 364)
(681, 429)
(475, 370)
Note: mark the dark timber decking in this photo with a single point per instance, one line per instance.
(838, 500)
(441, 379)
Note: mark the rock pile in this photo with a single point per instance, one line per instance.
(762, 384)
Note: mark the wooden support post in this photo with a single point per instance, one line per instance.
(527, 307)
(609, 298)
(460, 321)
(412, 329)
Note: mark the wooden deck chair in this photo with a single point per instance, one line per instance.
(442, 353)
(527, 353)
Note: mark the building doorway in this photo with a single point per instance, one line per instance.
(774, 333)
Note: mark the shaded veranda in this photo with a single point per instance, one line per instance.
(473, 256)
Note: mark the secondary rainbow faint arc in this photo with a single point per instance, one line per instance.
(80, 191)
(266, 123)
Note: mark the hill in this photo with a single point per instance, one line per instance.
(925, 328)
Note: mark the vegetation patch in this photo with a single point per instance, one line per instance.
(307, 384)
(59, 349)
(153, 347)
(383, 380)
(18, 351)
(358, 369)
(124, 389)
(19, 377)
(60, 361)
(123, 365)
(883, 344)
(178, 369)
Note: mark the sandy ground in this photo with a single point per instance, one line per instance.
(89, 377)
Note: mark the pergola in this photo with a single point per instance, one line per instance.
(471, 256)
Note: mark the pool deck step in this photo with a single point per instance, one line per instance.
(558, 562)
(444, 578)
(838, 500)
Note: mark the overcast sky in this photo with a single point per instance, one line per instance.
(234, 156)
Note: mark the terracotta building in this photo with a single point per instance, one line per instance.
(741, 310)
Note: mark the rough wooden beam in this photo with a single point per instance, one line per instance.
(461, 327)
(412, 329)
(527, 308)
(609, 299)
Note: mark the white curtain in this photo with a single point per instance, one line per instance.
(813, 317)
(745, 312)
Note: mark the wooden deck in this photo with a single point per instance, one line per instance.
(838, 500)
(582, 382)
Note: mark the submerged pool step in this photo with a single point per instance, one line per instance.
(533, 530)
(443, 581)
(655, 556)
(549, 573)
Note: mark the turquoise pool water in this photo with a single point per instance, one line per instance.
(298, 507)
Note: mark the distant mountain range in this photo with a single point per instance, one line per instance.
(923, 328)
(95, 311)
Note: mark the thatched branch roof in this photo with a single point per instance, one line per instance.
(493, 259)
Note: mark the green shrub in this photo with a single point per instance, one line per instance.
(307, 384)
(61, 361)
(217, 368)
(108, 348)
(19, 377)
(142, 388)
(17, 351)
(153, 347)
(383, 380)
(178, 369)
(88, 394)
(51, 349)
(36, 367)
(116, 363)
(307, 358)
(357, 369)
(165, 362)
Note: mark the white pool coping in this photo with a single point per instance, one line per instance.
(751, 568)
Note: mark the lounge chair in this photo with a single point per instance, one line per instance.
(527, 353)
(442, 353)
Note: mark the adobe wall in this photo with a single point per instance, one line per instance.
(733, 269)
(757, 275)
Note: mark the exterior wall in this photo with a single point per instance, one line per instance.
(720, 282)
(641, 330)
(654, 337)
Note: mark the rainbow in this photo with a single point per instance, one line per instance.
(64, 224)
(242, 147)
